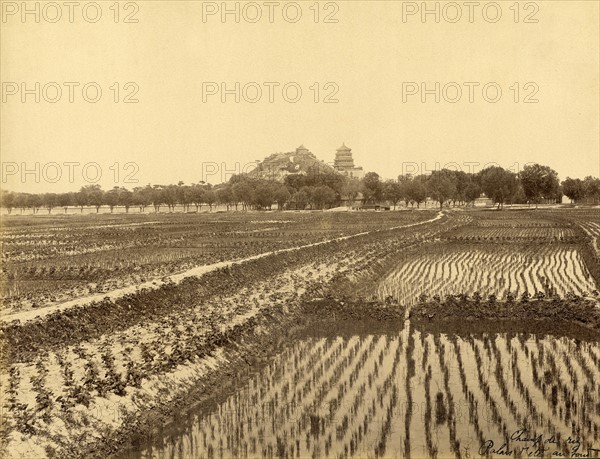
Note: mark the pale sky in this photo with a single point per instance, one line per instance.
(171, 134)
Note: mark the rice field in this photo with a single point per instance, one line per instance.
(408, 394)
(449, 269)
(486, 232)
(590, 223)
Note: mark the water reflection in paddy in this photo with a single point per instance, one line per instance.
(399, 394)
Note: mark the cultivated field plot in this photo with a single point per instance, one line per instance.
(514, 225)
(75, 375)
(452, 269)
(589, 221)
(239, 321)
(409, 394)
(501, 254)
(50, 259)
(488, 232)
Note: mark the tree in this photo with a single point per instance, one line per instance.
(462, 181)
(94, 196)
(323, 196)
(573, 189)
(243, 192)
(170, 196)
(81, 200)
(416, 192)
(157, 196)
(405, 185)
(224, 196)
(125, 198)
(65, 200)
(333, 180)
(295, 181)
(142, 196)
(111, 198)
(472, 192)
(282, 196)
(210, 198)
(184, 196)
(498, 184)
(197, 196)
(539, 182)
(350, 190)
(21, 201)
(393, 192)
(34, 201)
(49, 201)
(371, 187)
(591, 187)
(300, 199)
(7, 200)
(441, 186)
(263, 196)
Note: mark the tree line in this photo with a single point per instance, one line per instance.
(535, 184)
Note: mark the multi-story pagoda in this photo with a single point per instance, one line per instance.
(344, 163)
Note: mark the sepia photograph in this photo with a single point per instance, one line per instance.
(349, 229)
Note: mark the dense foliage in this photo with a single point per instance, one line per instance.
(322, 190)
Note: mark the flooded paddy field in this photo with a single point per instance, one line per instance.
(356, 389)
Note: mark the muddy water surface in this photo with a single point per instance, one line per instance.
(356, 391)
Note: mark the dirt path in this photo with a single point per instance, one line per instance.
(25, 316)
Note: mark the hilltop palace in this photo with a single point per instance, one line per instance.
(343, 162)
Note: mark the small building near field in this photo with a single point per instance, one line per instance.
(376, 207)
(483, 201)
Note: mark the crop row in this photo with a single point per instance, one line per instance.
(414, 393)
(474, 233)
(443, 269)
(353, 256)
(100, 257)
(110, 348)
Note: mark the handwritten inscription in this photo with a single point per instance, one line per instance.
(523, 443)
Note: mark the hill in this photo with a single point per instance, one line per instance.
(301, 161)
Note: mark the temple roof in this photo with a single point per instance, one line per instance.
(343, 147)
